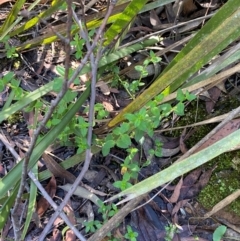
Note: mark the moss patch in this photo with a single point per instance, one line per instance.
(221, 184)
(225, 178)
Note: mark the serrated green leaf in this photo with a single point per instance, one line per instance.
(107, 146)
(124, 141)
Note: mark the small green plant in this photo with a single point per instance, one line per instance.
(219, 232)
(146, 120)
(92, 226)
(170, 232)
(129, 170)
(107, 212)
(78, 43)
(133, 87)
(11, 50)
(131, 235)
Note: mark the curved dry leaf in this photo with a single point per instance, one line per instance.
(176, 192)
(229, 128)
(43, 204)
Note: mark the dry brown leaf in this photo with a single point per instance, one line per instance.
(188, 7)
(57, 170)
(229, 128)
(103, 87)
(57, 236)
(108, 106)
(214, 93)
(154, 19)
(176, 192)
(70, 236)
(43, 204)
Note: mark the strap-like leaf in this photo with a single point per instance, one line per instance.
(123, 20)
(12, 16)
(218, 33)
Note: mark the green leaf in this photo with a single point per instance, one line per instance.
(32, 22)
(57, 84)
(32, 203)
(124, 141)
(123, 20)
(219, 232)
(11, 17)
(180, 95)
(5, 209)
(179, 109)
(190, 96)
(139, 68)
(107, 146)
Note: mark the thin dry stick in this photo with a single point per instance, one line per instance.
(16, 223)
(47, 116)
(94, 63)
(40, 187)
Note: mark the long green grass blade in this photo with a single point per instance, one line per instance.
(11, 16)
(32, 203)
(32, 22)
(123, 20)
(5, 209)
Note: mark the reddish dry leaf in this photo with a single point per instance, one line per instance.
(188, 7)
(70, 236)
(57, 170)
(176, 192)
(56, 235)
(4, 1)
(43, 204)
(197, 187)
(214, 94)
(2, 170)
(188, 182)
(192, 177)
(229, 128)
